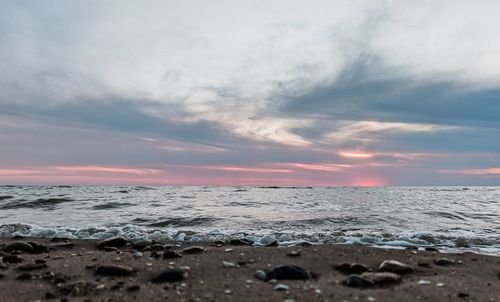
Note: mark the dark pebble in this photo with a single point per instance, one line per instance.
(169, 254)
(157, 248)
(38, 248)
(141, 244)
(431, 249)
(193, 250)
(357, 281)
(24, 276)
(444, 261)
(12, 259)
(352, 268)
(462, 295)
(110, 249)
(114, 270)
(242, 241)
(49, 295)
(133, 288)
(112, 242)
(170, 275)
(289, 272)
(18, 246)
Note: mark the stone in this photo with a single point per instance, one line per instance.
(228, 264)
(170, 275)
(114, 270)
(431, 249)
(351, 268)
(241, 241)
(293, 254)
(24, 276)
(355, 280)
(462, 295)
(66, 244)
(281, 287)
(382, 277)
(112, 242)
(289, 272)
(444, 261)
(394, 266)
(141, 244)
(38, 248)
(261, 275)
(169, 254)
(18, 246)
(193, 250)
(133, 288)
(12, 259)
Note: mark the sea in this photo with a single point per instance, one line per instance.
(453, 219)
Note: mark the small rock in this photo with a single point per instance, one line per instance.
(193, 250)
(228, 250)
(462, 295)
(395, 267)
(114, 270)
(289, 272)
(24, 276)
(293, 254)
(431, 249)
(444, 261)
(170, 275)
(12, 259)
(355, 280)
(169, 254)
(141, 244)
(50, 295)
(242, 241)
(381, 278)
(423, 282)
(352, 268)
(440, 284)
(228, 264)
(281, 287)
(133, 288)
(38, 248)
(110, 249)
(136, 254)
(19, 246)
(112, 242)
(261, 275)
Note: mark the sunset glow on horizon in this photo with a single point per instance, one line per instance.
(335, 93)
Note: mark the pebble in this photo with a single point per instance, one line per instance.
(228, 264)
(18, 246)
(193, 250)
(261, 275)
(114, 270)
(133, 288)
(423, 282)
(170, 275)
(228, 250)
(355, 280)
(444, 261)
(381, 277)
(136, 254)
(141, 244)
(24, 276)
(169, 254)
(289, 272)
(462, 295)
(12, 259)
(440, 284)
(395, 267)
(112, 242)
(351, 268)
(431, 249)
(293, 254)
(281, 287)
(242, 241)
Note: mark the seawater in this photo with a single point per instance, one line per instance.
(451, 218)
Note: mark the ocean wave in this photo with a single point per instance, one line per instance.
(446, 242)
(47, 203)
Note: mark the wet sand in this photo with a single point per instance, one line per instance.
(76, 270)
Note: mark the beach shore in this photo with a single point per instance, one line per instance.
(37, 269)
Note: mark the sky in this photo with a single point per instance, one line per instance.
(295, 93)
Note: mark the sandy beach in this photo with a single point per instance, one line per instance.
(34, 269)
